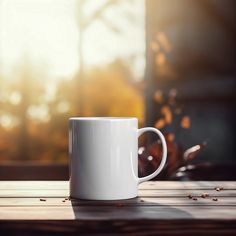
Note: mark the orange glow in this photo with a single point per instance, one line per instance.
(158, 97)
(53, 67)
(155, 46)
(165, 110)
(185, 122)
(160, 59)
(161, 37)
(160, 123)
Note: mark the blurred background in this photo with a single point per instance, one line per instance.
(171, 63)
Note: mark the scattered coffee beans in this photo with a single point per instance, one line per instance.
(190, 196)
(205, 195)
(218, 188)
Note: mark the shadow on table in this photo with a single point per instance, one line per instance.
(130, 209)
(129, 217)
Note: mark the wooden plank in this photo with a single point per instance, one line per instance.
(60, 202)
(192, 185)
(34, 185)
(33, 170)
(142, 193)
(119, 213)
(33, 193)
(166, 208)
(165, 185)
(118, 227)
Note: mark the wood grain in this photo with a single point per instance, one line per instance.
(162, 207)
(140, 201)
(157, 212)
(165, 185)
(156, 193)
(118, 227)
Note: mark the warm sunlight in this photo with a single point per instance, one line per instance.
(46, 31)
(119, 111)
(56, 59)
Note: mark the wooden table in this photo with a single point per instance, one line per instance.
(162, 208)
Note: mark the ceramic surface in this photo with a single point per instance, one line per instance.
(103, 155)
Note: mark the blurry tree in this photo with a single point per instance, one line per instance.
(108, 91)
(35, 128)
(84, 23)
(20, 94)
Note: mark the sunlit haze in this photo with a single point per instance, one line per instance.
(46, 31)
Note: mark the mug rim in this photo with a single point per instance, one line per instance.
(102, 118)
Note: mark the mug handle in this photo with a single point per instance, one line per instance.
(164, 153)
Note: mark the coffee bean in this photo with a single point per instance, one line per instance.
(219, 188)
(215, 199)
(205, 195)
(42, 199)
(195, 199)
(63, 201)
(190, 196)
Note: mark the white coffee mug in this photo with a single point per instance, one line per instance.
(103, 154)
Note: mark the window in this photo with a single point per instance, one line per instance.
(62, 58)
